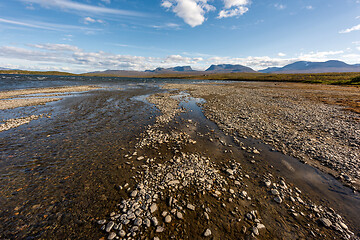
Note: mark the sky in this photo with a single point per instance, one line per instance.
(93, 35)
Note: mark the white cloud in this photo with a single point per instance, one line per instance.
(167, 26)
(88, 20)
(354, 28)
(191, 11)
(44, 25)
(309, 7)
(234, 8)
(71, 5)
(319, 56)
(279, 6)
(55, 47)
(166, 4)
(281, 54)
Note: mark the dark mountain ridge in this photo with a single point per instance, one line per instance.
(229, 68)
(314, 67)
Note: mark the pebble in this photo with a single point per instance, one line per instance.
(153, 207)
(134, 193)
(207, 233)
(155, 221)
(275, 192)
(109, 226)
(138, 222)
(159, 229)
(122, 233)
(230, 171)
(326, 222)
(278, 199)
(168, 218)
(190, 206)
(112, 235)
(243, 194)
(179, 215)
(101, 222)
(255, 230)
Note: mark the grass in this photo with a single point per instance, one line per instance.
(352, 79)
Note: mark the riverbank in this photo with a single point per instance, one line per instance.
(310, 122)
(33, 97)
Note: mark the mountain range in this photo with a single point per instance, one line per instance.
(314, 67)
(296, 67)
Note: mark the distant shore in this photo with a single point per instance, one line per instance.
(350, 78)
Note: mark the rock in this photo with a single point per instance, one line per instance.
(140, 158)
(155, 221)
(122, 233)
(131, 216)
(156, 238)
(207, 233)
(109, 226)
(243, 194)
(134, 193)
(278, 199)
(190, 206)
(153, 207)
(255, 230)
(268, 183)
(168, 218)
(179, 215)
(101, 222)
(275, 192)
(326, 222)
(147, 222)
(138, 222)
(260, 226)
(159, 229)
(230, 171)
(343, 225)
(174, 182)
(112, 235)
(134, 229)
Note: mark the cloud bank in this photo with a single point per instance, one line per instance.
(64, 57)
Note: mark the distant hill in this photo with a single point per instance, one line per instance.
(173, 69)
(5, 68)
(314, 67)
(118, 73)
(228, 68)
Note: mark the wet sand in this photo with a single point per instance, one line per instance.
(147, 163)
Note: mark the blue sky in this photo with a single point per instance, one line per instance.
(88, 35)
